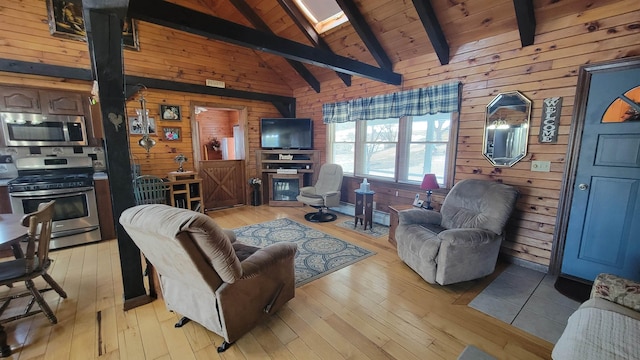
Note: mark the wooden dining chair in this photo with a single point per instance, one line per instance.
(149, 189)
(34, 264)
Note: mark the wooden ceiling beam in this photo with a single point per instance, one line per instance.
(526, 21)
(257, 22)
(310, 32)
(131, 83)
(173, 16)
(433, 29)
(364, 31)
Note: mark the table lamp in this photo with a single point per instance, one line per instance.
(429, 182)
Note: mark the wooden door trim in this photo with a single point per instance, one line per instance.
(573, 152)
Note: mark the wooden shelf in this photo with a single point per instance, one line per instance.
(290, 183)
(305, 162)
(186, 194)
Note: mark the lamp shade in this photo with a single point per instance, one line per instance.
(429, 182)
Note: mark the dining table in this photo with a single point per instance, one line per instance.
(11, 232)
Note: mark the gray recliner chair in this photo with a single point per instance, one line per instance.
(462, 241)
(324, 194)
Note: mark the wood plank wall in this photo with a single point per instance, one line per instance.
(486, 67)
(165, 54)
(498, 64)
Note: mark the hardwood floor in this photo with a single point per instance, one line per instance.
(377, 308)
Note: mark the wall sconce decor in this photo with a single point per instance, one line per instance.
(429, 182)
(143, 117)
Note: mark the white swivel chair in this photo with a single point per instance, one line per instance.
(324, 194)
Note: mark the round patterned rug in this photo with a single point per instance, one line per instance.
(318, 253)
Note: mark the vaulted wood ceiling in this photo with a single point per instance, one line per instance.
(380, 33)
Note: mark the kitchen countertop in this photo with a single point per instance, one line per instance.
(100, 176)
(4, 182)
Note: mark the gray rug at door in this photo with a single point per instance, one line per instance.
(473, 353)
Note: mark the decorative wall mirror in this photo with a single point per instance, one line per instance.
(506, 129)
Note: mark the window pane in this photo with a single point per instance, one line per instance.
(380, 160)
(430, 128)
(429, 158)
(382, 130)
(345, 132)
(343, 154)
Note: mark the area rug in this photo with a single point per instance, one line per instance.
(473, 353)
(318, 253)
(376, 231)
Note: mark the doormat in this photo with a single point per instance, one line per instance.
(573, 289)
(473, 353)
(318, 253)
(377, 230)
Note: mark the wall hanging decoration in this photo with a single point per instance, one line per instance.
(66, 21)
(170, 112)
(135, 124)
(172, 133)
(551, 109)
(506, 129)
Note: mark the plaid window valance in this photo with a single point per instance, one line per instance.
(435, 99)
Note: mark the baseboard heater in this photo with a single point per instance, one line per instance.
(379, 217)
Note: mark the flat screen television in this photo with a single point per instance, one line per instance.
(286, 133)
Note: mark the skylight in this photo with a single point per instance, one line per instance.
(324, 15)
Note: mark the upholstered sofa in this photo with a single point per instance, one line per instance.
(206, 275)
(607, 326)
(462, 241)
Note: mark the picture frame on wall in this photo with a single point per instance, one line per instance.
(170, 112)
(172, 133)
(135, 126)
(66, 21)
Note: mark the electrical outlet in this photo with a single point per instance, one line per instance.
(543, 166)
(396, 192)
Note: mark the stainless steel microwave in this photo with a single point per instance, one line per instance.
(21, 129)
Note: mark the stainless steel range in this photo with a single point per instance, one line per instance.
(68, 181)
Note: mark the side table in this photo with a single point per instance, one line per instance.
(393, 220)
(364, 208)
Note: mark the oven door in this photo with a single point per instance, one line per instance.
(75, 210)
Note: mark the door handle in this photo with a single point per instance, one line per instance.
(583, 187)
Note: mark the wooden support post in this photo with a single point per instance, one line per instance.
(105, 48)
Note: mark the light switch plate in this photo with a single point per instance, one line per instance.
(544, 166)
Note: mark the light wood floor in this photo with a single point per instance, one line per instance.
(377, 308)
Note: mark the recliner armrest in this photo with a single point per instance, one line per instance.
(331, 193)
(419, 217)
(309, 191)
(265, 257)
(468, 236)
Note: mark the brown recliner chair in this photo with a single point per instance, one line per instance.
(462, 241)
(206, 275)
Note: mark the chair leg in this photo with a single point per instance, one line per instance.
(41, 302)
(224, 346)
(54, 285)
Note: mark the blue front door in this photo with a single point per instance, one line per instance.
(603, 232)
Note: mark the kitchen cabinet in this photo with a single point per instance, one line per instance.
(105, 212)
(22, 100)
(54, 102)
(5, 201)
(62, 102)
(27, 100)
(95, 129)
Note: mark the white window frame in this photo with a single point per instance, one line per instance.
(401, 166)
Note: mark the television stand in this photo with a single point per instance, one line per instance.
(305, 162)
